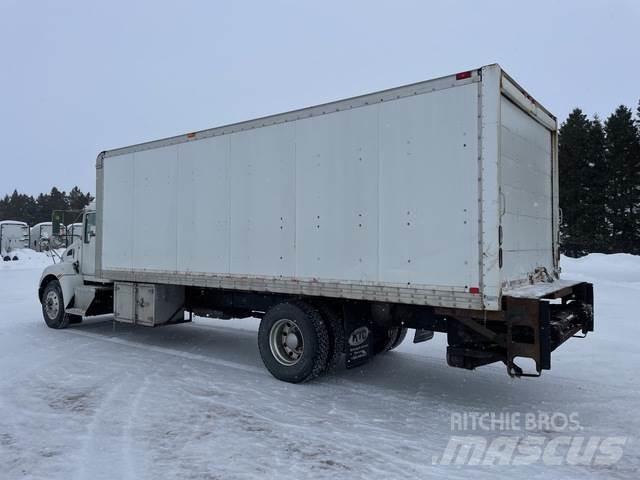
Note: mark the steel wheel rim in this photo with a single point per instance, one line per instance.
(52, 305)
(286, 342)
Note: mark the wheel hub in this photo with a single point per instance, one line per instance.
(52, 305)
(286, 342)
(291, 341)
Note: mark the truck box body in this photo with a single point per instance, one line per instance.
(439, 193)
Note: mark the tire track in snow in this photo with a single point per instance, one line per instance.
(169, 351)
(98, 459)
(127, 431)
(559, 381)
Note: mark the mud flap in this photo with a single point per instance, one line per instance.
(358, 334)
(422, 335)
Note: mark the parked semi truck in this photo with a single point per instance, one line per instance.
(432, 206)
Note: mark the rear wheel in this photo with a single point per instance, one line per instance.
(400, 336)
(388, 339)
(53, 306)
(335, 328)
(294, 342)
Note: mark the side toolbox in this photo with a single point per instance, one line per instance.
(148, 304)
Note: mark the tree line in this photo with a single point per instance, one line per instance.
(26, 208)
(599, 166)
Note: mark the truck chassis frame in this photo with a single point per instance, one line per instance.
(526, 328)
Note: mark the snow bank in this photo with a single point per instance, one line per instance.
(598, 267)
(28, 259)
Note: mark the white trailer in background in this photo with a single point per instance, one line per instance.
(14, 235)
(42, 237)
(432, 206)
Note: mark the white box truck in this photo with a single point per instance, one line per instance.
(432, 206)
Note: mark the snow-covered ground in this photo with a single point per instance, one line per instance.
(105, 401)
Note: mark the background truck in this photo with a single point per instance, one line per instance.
(432, 206)
(42, 237)
(14, 235)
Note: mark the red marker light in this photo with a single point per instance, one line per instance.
(463, 75)
(474, 290)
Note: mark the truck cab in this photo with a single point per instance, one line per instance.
(68, 289)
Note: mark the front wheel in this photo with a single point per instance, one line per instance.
(53, 306)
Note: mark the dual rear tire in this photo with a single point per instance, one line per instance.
(388, 339)
(294, 342)
(299, 341)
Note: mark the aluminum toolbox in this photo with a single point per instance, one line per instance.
(148, 304)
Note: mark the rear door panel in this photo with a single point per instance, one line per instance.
(526, 173)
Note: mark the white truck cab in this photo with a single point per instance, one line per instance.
(68, 288)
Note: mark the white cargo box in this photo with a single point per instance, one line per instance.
(438, 193)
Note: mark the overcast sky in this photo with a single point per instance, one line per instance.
(78, 77)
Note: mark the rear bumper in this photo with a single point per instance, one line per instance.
(534, 321)
(537, 326)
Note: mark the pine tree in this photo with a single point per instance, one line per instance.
(636, 209)
(22, 207)
(59, 200)
(42, 212)
(5, 208)
(78, 200)
(573, 159)
(623, 158)
(595, 189)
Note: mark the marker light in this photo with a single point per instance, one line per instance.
(463, 75)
